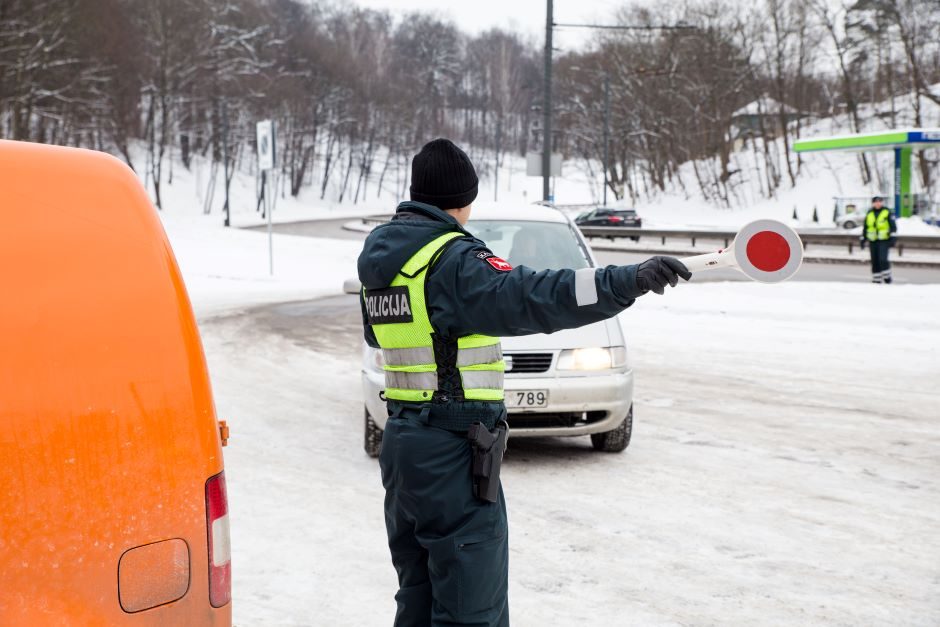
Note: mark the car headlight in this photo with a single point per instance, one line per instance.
(592, 358)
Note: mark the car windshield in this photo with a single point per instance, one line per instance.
(538, 245)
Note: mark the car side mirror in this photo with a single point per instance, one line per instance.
(352, 286)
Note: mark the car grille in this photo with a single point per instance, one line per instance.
(528, 362)
(549, 421)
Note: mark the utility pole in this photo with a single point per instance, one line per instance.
(547, 105)
(225, 208)
(499, 139)
(606, 132)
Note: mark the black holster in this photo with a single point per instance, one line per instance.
(488, 449)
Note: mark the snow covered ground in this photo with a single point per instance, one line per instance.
(785, 464)
(785, 469)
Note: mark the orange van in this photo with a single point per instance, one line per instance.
(113, 507)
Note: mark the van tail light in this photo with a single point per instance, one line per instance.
(220, 545)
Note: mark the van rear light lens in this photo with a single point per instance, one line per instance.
(220, 546)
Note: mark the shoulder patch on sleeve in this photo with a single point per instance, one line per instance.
(499, 264)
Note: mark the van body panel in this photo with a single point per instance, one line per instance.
(108, 430)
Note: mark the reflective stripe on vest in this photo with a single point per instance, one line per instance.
(411, 372)
(410, 380)
(425, 355)
(479, 355)
(877, 226)
(490, 379)
(406, 356)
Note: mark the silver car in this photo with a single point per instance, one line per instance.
(573, 382)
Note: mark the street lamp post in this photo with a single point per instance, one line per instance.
(606, 132)
(547, 107)
(225, 208)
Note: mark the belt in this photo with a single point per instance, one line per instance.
(426, 415)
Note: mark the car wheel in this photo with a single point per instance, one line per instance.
(616, 440)
(635, 239)
(848, 224)
(373, 436)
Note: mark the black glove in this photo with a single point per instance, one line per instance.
(657, 272)
(861, 242)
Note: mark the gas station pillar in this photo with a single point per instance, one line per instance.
(903, 201)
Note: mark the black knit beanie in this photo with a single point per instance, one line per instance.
(442, 175)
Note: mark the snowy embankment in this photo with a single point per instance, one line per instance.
(228, 269)
(821, 176)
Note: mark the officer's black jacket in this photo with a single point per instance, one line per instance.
(466, 294)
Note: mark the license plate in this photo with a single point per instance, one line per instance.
(526, 398)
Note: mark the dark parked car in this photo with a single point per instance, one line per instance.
(604, 216)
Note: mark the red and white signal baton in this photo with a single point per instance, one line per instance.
(764, 250)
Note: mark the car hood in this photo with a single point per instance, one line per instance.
(604, 333)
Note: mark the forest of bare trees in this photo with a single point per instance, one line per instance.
(355, 92)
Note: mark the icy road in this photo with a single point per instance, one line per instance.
(784, 469)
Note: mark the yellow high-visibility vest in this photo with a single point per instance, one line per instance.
(399, 318)
(877, 225)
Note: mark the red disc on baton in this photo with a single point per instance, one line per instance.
(765, 250)
(768, 251)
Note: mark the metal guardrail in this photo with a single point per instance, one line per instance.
(914, 242)
(919, 242)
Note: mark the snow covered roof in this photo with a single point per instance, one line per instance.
(764, 106)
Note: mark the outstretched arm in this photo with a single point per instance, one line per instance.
(469, 293)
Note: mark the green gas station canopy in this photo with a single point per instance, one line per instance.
(885, 140)
(903, 142)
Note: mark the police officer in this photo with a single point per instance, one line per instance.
(435, 299)
(879, 230)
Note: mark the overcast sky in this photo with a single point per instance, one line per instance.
(527, 16)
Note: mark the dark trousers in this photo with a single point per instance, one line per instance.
(450, 550)
(880, 266)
